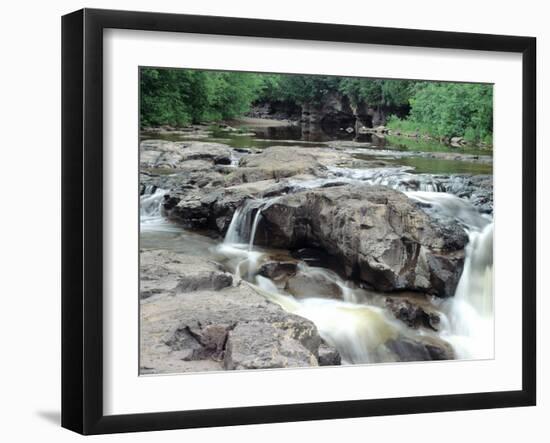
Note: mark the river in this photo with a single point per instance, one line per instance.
(358, 321)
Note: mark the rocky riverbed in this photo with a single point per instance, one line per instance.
(293, 254)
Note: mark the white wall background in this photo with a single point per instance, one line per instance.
(30, 219)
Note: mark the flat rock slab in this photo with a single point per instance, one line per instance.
(165, 272)
(163, 154)
(278, 162)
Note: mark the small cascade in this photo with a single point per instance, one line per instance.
(453, 207)
(238, 244)
(348, 293)
(358, 331)
(232, 235)
(151, 211)
(257, 218)
(244, 223)
(399, 178)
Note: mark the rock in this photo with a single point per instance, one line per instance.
(457, 141)
(415, 311)
(212, 206)
(381, 236)
(210, 209)
(235, 328)
(278, 270)
(164, 272)
(312, 284)
(328, 355)
(218, 153)
(420, 349)
(262, 346)
(278, 162)
(478, 189)
(162, 154)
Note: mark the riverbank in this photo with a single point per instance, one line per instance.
(364, 254)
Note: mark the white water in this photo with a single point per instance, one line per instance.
(468, 324)
(151, 214)
(357, 329)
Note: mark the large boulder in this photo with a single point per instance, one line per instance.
(235, 328)
(381, 236)
(204, 209)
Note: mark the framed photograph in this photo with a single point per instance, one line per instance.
(269, 221)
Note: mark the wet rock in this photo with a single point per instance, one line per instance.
(328, 355)
(235, 328)
(381, 236)
(420, 349)
(414, 313)
(278, 270)
(478, 189)
(212, 207)
(164, 272)
(312, 284)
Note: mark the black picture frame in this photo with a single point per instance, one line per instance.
(82, 218)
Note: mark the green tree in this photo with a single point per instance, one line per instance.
(454, 109)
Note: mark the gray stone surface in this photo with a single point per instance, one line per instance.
(382, 237)
(164, 272)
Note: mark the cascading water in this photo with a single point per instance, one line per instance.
(357, 331)
(468, 325)
(238, 244)
(150, 209)
(399, 178)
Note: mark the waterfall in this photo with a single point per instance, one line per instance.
(254, 227)
(470, 312)
(232, 234)
(468, 325)
(239, 231)
(238, 244)
(245, 221)
(150, 209)
(453, 207)
(355, 326)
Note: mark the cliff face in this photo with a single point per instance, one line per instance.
(335, 113)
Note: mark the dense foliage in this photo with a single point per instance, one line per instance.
(180, 96)
(450, 109)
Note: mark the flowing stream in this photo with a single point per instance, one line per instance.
(356, 324)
